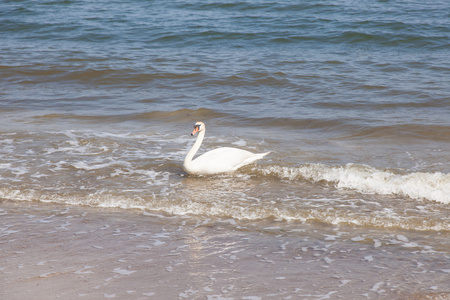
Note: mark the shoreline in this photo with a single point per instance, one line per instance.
(52, 251)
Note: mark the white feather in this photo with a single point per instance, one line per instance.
(220, 160)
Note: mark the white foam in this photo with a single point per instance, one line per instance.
(365, 179)
(83, 165)
(85, 270)
(240, 143)
(16, 170)
(369, 258)
(5, 165)
(376, 286)
(123, 271)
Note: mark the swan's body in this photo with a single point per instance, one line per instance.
(220, 160)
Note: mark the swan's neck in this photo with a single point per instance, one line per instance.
(194, 149)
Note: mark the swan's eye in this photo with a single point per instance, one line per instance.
(197, 126)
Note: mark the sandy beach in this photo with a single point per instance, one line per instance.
(53, 251)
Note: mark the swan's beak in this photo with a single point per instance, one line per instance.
(196, 128)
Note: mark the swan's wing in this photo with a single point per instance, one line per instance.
(222, 160)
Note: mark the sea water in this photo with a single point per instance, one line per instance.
(352, 98)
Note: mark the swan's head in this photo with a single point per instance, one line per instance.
(199, 126)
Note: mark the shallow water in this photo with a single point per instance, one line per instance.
(71, 252)
(97, 101)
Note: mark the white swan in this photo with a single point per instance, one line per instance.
(220, 160)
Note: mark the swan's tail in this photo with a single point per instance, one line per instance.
(261, 155)
(251, 159)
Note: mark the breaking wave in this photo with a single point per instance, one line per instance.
(366, 179)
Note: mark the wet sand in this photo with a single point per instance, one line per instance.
(51, 251)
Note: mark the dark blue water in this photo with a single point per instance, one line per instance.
(309, 58)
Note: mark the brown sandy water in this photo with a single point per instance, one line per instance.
(53, 251)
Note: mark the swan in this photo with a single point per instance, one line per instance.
(220, 160)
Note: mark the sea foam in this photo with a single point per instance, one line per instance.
(366, 179)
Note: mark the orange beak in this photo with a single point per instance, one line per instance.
(195, 130)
